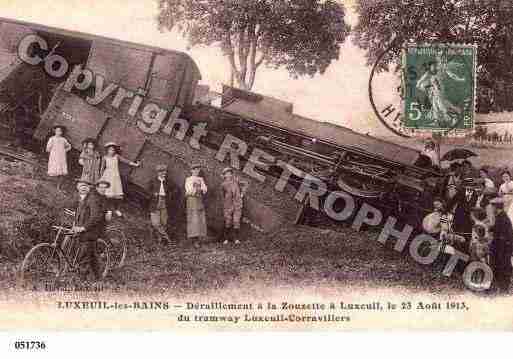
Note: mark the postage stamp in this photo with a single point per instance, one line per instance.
(440, 86)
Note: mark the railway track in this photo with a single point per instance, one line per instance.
(8, 153)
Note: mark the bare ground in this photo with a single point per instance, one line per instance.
(293, 256)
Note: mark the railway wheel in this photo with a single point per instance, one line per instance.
(361, 185)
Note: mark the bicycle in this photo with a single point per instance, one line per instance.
(49, 261)
(115, 238)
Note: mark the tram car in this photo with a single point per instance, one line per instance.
(367, 167)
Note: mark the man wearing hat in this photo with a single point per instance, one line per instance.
(233, 192)
(90, 222)
(161, 192)
(430, 152)
(501, 248)
(464, 202)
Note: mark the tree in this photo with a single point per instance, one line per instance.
(304, 36)
(488, 23)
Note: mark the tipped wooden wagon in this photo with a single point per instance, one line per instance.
(124, 78)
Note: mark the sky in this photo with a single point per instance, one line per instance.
(339, 96)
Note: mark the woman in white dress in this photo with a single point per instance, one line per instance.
(506, 192)
(195, 189)
(58, 146)
(483, 174)
(110, 174)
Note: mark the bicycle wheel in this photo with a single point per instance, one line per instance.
(118, 247)
(42, 264)
(104, 261)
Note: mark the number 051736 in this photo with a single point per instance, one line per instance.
(29, 345)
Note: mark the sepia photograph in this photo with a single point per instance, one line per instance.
(285, 165)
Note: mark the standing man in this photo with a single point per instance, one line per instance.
(233, 194)
(431, 152)
(160, 194)
(501, 248)
(90, 223)
(465, 201)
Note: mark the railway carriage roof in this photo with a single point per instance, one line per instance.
(90, 37)
(328, 132)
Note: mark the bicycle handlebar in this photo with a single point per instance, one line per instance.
(69, 212)
(65, 229)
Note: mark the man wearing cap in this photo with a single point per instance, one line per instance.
(501, 248)
(90, 222)
(233, 192)
(160, 195)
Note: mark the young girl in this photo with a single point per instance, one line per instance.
(110, 174)
(91, 161)
(58, 146)
(195, 189)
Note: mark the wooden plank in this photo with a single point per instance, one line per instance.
(81, 120)
(127, 67)
(52, 112)
(129, 138)
(150, 156)
(165, 78)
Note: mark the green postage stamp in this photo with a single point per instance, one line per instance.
(440, 86)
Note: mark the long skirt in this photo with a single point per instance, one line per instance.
(57, 164)
(196, 217)
(508, 206)
(115, 190)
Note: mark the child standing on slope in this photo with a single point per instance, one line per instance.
(58, 146)
(110, 174)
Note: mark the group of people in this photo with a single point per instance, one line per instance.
(474, 214)
(95, 166)
(101, 172)
(195, 189)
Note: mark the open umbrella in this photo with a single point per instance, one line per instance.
(458, 154)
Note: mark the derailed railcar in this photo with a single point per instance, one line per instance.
(367, 167)
(131, 94)
(107, 88)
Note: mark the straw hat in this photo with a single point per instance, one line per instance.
(227, 169)
(100, 182)
(431, 223)
(79, 180)
(111, 144)
(160, 168)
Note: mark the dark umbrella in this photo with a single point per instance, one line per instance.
(458, 154)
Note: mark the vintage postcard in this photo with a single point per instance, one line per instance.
(256, 165)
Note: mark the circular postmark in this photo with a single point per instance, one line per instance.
(433, 90)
